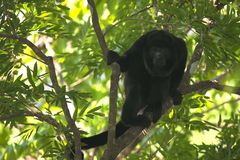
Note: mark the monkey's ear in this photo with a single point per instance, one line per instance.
(112, 56)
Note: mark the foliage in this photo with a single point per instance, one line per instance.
(32, 121)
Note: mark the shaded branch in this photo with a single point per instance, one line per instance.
(126, 151)
(206, 85)
(13, 115)
(129, 137)
(196, 56)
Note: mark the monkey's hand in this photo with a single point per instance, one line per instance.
(112, 56)
(177, 97)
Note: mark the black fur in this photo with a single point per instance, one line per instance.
(153, 67)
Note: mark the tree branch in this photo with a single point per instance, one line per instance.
(155, 7)
(35, 49)
(206, 85)
(49, 61)
(96, 26)
(40, 116)
(71, 122)
(114, 83)
(197, 54)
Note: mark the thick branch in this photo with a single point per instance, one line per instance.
(126, 139)
(114, 82)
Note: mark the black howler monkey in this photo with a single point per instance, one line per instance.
(153, 67)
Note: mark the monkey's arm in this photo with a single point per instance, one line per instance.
(178, 72)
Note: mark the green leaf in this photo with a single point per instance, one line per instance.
(99, 114)
(83, 109)
(94, 109)
(35, 70)
(29, 76)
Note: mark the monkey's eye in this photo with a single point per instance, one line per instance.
(157, 52)
(153, 51)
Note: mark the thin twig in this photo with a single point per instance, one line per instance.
(85, 77)
(128, 18)
(33, 57)
(220, 105)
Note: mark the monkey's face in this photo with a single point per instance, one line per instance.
(159, 54)
(160, 57)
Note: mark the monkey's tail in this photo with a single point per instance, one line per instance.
(101, 138)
